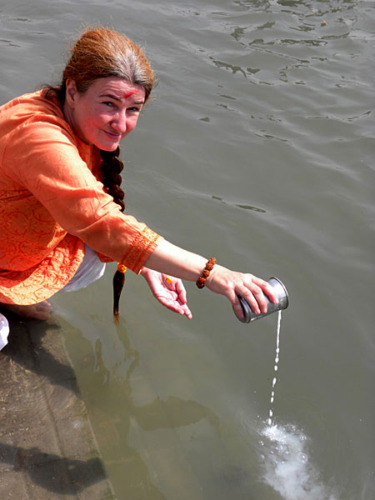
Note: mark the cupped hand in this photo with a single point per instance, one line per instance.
(169, 291)
(233, 284)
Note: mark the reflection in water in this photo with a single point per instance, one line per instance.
(306, 29)
(230, 67)
(245, 207)
(116, 417)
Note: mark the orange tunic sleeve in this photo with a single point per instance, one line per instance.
(45, 158)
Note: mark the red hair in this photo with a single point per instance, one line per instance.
(103, 52)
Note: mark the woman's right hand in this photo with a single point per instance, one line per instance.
(232, 284)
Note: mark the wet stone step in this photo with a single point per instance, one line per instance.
(47, 446)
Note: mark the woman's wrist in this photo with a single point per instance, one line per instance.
(215, 276)
(145, 272)
(210, 264)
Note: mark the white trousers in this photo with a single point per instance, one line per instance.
(90, 270)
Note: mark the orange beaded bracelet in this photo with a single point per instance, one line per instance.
(201, 281)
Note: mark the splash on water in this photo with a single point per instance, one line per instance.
(287, 465)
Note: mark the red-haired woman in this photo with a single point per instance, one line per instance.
(61, 205)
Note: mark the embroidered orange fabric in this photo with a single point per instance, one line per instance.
(52, 202)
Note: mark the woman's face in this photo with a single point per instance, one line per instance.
(105, 113)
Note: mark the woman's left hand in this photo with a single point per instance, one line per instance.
(169, 291)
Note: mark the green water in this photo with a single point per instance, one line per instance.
(257, 148)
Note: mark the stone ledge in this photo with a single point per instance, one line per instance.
(47, 446)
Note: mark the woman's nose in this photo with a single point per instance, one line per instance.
(119, 124)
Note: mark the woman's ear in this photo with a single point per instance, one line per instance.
(71, 93)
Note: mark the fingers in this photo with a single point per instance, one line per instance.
(267, 289)
(255, 299)
(180, 289)
(175, 305)
(176, 285)
(238, 309)
(250, 288)
(253, 289)
(176, 299)
(186, 311)
(169, 291)
(260, 291)
(179, 308)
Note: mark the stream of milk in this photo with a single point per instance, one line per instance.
(287, 465)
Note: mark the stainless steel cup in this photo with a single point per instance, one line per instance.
(282, 295)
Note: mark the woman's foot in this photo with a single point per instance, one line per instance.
(40, 311)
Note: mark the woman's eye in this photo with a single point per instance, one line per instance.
(109, 104)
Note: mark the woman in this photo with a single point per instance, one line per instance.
(61, 207)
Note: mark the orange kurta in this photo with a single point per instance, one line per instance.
(52, 202)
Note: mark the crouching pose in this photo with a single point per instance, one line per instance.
(61, 205)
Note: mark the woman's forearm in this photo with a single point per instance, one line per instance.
(170, 259)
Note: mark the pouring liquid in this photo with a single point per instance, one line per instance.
(275, 369)
(288, 467)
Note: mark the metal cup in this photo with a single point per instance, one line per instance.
(282, 295)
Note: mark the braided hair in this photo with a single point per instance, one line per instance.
(111, 168)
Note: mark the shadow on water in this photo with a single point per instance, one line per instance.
(45, 436)
(123, 428)
(26, 353)
(52, 472)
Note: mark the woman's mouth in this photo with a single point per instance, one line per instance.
(115, 137)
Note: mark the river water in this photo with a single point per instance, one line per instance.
(257, 148)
